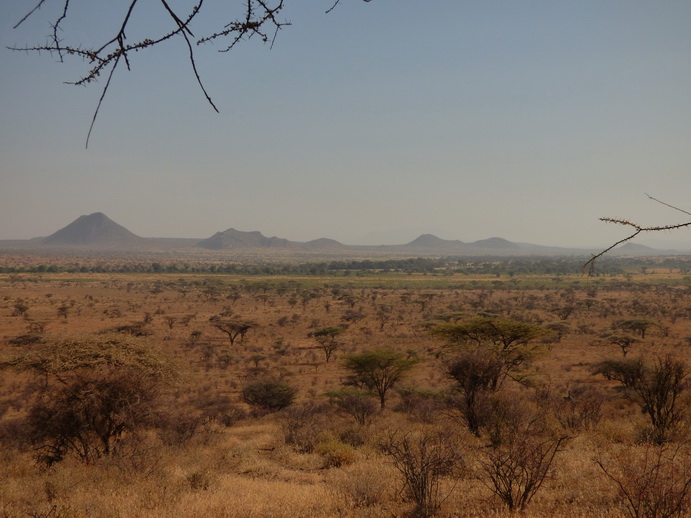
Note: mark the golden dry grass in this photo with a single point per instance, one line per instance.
(247, 469)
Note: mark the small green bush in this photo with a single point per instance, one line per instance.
(272, 395)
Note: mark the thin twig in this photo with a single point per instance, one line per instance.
(668, 205)
(100, 101)
(36, 8)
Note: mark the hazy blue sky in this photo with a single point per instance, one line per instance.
(375, 123)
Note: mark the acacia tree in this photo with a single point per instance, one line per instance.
(638, 326)
(624, 340)
(232, 328)
(510, 341)
(378, 370)
(91, 391)
(112, 51)
(486, 351)
(327, 339)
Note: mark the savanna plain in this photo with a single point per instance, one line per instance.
(367, 393)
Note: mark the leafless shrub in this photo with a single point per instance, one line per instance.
(200, 479)
(175, 428)
(580, 409)
(357, 404)
(364, 484)
(36, 326)
(516, 469)
(652, 484)
(134, 329)
(423, 458)
(21, 308)
(302, 425)
(219, 408)
(26, 339)
(421, 406)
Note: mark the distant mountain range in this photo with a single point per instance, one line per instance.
(97, 232)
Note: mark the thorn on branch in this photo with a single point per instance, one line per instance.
(590, 264)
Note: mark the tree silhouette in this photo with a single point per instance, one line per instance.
(110, 52)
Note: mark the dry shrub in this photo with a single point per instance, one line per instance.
(14, 433)
(303, 424)
(515, 472)
(423, 458)
(658, 386)
(333, 452)
(357, 404)
(219, 408)
(520, 456)
(354, 436)
(653, 481)
(365, 484)
(138, 456)
(55, 511)
(420, 406)
(201, 479)
(202, 425)
(580, 410)
(176, 429)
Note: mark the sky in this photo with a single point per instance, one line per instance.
(371, 124)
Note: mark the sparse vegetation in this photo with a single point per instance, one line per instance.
(141, 413)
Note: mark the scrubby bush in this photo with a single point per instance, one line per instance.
(334, 452)
(423, 458)
(270, 395)
(364, 484)
(356, 403)
(653, 482)
(516, 467)
(658, 386)
(421, 406)
(303, 425)
(90, 414)
(92, 391)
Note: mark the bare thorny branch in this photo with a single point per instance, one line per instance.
(335, 4)
(638, 229)
(252, 25)
(260, 19)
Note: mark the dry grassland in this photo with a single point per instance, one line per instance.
(210, 454)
